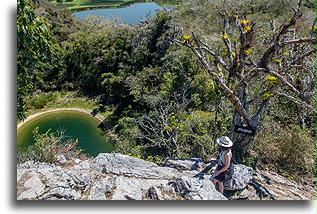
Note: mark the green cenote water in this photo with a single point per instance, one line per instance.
(92, 139)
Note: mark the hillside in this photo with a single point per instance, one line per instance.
(170, 86)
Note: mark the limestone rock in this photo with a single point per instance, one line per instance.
(242, 176)
(121, 177)
(195, 189)
(184, 163)
(168, 192)
(125, 165)
(61, 193)
(31, 188)
(81, 179)
(153, 193)
(61, 158)
(101, 188)
(127, 189)
(82, 165)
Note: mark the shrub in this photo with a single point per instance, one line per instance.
(290, 150)
(41, 100)
(46, 146)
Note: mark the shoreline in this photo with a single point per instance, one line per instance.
(80, 7)
(86, 111)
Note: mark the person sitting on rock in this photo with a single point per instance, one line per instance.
(224, 169)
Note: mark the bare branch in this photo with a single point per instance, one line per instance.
(299, 102)
(296, 41)
(287, 83)
(198, 44)
(280, 31)
(259, 95)
(300, 58)
(217, 57)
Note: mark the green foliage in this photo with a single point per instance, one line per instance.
(251, 161)
(136, 151)
(155, 159)
(195, 134)
(33, 47)
(128, 133)
(46, 146)
(40, 101)
(89, 56)
(62, 21)
(288, 149)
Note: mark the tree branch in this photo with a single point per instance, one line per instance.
(230, 94)
(287, 83)
(296, 100)
(311, 40)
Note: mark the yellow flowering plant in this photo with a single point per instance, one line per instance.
(271, 79)
(187, 37)
(278, 60)
(245, 21)
(224, 36)
(248, 51)
(247, 28)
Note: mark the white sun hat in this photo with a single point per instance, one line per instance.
(224, 141)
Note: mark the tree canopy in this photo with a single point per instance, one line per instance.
(33, 47)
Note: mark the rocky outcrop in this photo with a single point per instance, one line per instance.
(184, 163)
(194, 189)
(121, 177)
(107, 177)
(119, 164)
(241, 177)
(271, 186)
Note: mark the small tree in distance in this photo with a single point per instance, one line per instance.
(249, 71)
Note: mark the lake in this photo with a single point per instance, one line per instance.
(129, 15)
(92, 139)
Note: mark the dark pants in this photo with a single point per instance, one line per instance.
(226, 175)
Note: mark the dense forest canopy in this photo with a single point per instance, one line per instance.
(174, 83)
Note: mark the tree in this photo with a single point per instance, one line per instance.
(250, 70)
(33, 47)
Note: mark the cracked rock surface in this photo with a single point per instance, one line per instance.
(121, 177)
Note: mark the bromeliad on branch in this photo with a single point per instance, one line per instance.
(249, 63)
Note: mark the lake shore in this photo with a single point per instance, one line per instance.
(86, 111)
(79, 5)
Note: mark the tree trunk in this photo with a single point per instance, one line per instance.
(241, 141)
(237, 118)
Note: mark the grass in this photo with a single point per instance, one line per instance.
(52, 100)
(93, 4)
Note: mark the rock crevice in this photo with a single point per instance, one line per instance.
(121, 177)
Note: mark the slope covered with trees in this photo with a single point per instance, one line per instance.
(174, 83)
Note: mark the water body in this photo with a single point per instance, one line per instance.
(91, 139)
(129, 15)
